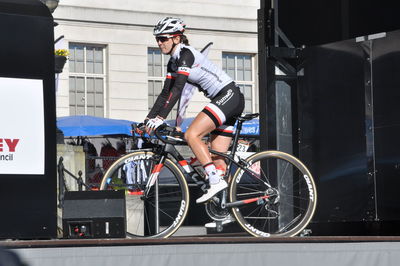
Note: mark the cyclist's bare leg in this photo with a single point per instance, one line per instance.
(221, 144)
(200, 127)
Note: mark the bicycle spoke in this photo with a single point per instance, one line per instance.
(247, 188)
(283, 229)
(259, 218)
(147, 219)
(265, 223)
(294, 197)
(294, 207)
(151, 203)
(284, 173)
(259, 211)
(262, 174)
(255, 209)
(255, 193)
(138, 224)
(162, 194)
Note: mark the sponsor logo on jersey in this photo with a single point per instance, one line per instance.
(184, 70)
(211, 73)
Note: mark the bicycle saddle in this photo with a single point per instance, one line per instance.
(245, 117)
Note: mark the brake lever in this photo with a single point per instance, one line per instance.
(138, 129)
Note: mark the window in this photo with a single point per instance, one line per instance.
(87, 79)
(240, 68)
(157, 69)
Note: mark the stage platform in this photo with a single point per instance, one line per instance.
(226, 250)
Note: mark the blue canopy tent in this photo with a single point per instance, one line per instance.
(250, 128)
(85, 125)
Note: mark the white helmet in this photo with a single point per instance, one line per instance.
(169, 25)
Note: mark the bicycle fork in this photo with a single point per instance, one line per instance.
(153, 179)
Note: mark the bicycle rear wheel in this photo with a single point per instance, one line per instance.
(152, 210)
(274, 197)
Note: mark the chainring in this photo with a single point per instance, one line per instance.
(215, 211)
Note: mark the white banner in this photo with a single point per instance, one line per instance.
(21, 126)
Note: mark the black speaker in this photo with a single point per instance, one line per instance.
(94, 214)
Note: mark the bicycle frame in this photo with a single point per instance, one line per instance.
(169, 150)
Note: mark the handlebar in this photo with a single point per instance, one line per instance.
(167, 134)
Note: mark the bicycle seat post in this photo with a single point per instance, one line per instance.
(237, 133)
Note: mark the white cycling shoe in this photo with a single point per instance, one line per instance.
(226, 221)
(214, 189)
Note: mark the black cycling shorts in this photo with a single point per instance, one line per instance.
(223, 108)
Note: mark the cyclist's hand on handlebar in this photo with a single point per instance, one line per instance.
(154, 123)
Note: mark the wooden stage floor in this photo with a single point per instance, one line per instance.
(217, 239)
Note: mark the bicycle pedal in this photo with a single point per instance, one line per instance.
(205, 187)
(215, 199)
(220, 228)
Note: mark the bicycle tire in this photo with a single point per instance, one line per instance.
(173, 194)
(285, 208)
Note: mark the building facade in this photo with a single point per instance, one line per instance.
(115, 69)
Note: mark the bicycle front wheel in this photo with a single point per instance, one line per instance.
(153, 208)
(274, 196)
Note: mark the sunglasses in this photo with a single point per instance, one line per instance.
(163, 39)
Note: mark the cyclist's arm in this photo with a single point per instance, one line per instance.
(185, 63)
(162, 98)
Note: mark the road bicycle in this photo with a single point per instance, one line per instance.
(270, 193)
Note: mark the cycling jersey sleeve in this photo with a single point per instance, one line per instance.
(185, 63)
(162, 98)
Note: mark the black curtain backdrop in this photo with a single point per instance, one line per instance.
(314, 22)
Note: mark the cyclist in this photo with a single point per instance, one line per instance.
(189, 65)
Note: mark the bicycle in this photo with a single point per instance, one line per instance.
(270, 193)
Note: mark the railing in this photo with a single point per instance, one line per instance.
(62, 182)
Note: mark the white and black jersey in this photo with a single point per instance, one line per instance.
(188, 65)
